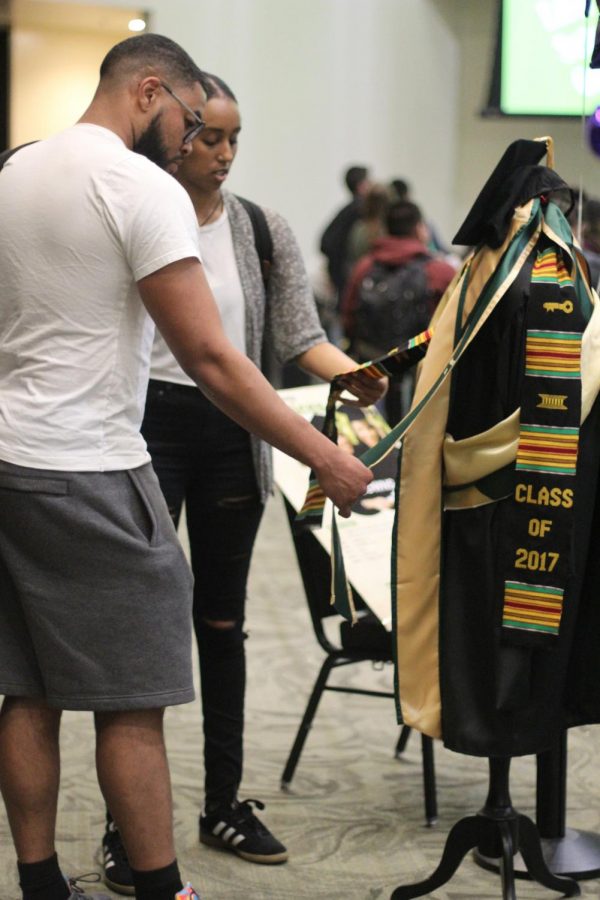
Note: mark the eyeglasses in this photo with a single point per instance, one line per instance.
(195, 130)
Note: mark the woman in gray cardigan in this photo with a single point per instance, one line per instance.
(223, 474)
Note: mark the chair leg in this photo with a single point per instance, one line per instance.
(429, 786)
(305, 724)
(402, 741)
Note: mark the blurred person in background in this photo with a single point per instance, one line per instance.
(334, 241)
(590, 238)
(370, 225)
(392, 293)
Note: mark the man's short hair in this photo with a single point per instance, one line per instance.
(400, 187)
(353, 177)
(151, 51)
(402, 218)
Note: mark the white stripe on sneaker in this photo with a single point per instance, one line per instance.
(237, 840)
(219, 828)
(231, 832)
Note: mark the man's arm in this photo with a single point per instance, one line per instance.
(180, 301)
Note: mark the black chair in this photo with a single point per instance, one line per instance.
(367, 641)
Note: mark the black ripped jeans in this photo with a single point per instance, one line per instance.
(203, 458)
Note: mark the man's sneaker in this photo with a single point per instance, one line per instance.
(236, 828)
(188, 893)
(117, 871)
(78, 892)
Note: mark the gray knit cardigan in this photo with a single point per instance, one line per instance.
(286, 317)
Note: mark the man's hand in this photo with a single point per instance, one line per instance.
(344, 479)
(365, 388)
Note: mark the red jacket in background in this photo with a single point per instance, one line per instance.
(394, 251)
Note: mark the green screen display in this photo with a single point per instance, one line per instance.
(544, 69)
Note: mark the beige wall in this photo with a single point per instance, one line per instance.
(325, 83)
(56, 49)
(397, 84)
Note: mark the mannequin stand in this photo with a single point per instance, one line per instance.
(499, 831)
(567, 851)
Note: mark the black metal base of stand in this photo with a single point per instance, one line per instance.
(567, 851)
(499, 832)
(576, 855)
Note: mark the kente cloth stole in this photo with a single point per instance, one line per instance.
(539, 534)
(393, 364)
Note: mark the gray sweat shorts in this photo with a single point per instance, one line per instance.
(95, 591)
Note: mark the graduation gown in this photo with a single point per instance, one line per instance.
(469, 670)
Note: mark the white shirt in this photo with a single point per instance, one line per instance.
(84, 220)
(220, 267)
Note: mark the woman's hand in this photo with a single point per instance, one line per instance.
(326, 361)
(365, 389)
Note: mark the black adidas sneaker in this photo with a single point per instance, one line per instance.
(117, 871)
(236, 828)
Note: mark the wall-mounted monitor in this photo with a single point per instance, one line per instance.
(540, 67)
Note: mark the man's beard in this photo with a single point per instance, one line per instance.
(151, 144)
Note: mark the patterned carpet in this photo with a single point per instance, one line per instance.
(353, 821)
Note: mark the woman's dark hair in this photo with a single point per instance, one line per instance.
(216, 87)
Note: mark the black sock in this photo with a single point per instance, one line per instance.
(43, 880)
(158, 884)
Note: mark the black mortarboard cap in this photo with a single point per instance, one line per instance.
(516, 179)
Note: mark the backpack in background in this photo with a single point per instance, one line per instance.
(393, 304)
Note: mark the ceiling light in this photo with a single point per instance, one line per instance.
(137, 25)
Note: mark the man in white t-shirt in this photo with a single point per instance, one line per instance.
(95, 596)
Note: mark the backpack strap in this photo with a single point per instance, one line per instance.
(6, 154)
(262, 236)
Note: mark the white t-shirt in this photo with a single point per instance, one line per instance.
(84, 220)
(220, 267)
